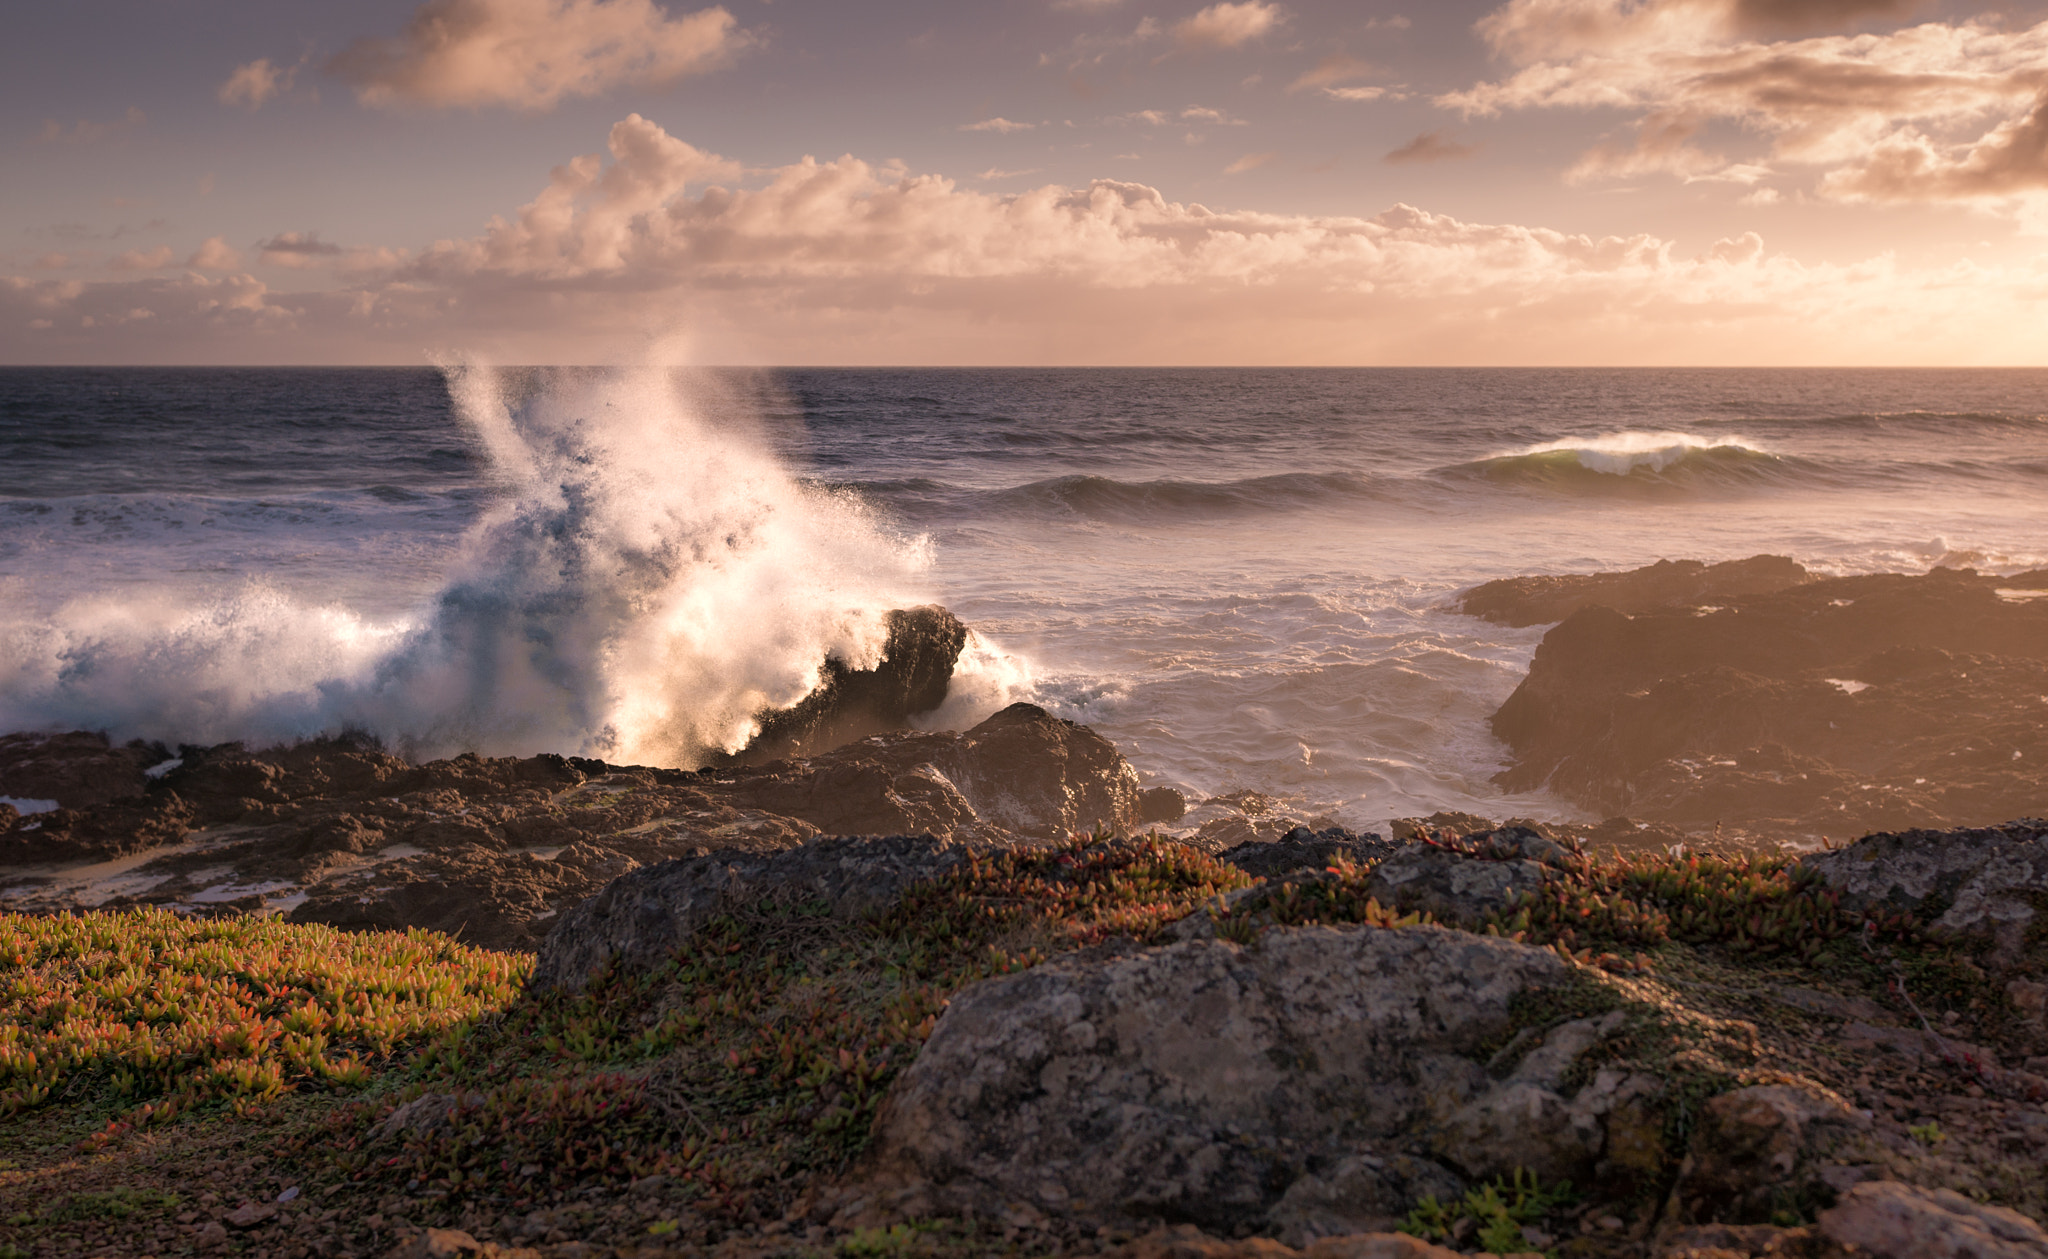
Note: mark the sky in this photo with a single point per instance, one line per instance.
(1048, 182)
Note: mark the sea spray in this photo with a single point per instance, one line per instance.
(649, 579)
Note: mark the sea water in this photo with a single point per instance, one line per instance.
(1239, 576)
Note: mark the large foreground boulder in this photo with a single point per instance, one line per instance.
(1319, 1083)
(1833, 707)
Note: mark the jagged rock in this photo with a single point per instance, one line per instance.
(1304, 849)
(1162, 805)
(1987, 881)
(1766, 1149)
(1834, 707)
(1441, 822)
(486, 898)
(1464, 886)
(1288, 1086)
(640, 919)
(1889, 1220)
(1666, 583)
(78, 770)
(915, 670)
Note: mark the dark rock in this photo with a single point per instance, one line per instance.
(1834, 707)
(1463, 884)
(78, 770)
(1665, 584)
(639, 920)
(847, 704)
(1304, 849)
(1241, 1089)
(486, 898)
(1763, 1150)
(1988, 881)
(1161, 805)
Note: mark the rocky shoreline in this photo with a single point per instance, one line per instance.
(871, 991)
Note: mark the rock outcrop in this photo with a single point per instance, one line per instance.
(1667, 583)
(495, 849)
(1990, 882)
(1319, 1083)
(1832, 707)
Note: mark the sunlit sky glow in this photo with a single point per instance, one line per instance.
(1026, 181)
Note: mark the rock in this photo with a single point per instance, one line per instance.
(1303, 1085)
(1304, 849)
(77, 770)
(1185, 1241)
(1832, 707)
(847, 704)
(1442, 822)
(211, 1236)
(1986, 881)
(1765, 1149)
(640, 919)
(249, 1215)
(480, 897)
(1161, 805)
(1889, 1220)
(1667, 583)
(1463, 886)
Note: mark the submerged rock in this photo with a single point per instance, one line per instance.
(1319, 1083)
(1666, 583)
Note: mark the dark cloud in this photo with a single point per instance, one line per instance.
(1800, 17)
(1430, 146)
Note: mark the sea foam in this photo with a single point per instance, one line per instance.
(649, 579)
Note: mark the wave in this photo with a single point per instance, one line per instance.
(1104, 498)
(1637, 461)
(648, 582)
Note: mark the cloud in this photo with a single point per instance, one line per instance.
(1932, 112)
(1084, 6)
(844, 261)
(532, 54)
(297, 250)
(996, 173)
(256, 82)
(86, 131)
(1227, 25)
(1430, 146)
(144, 260)
(55, 262)
(215, 255)
(1332, 70)
(1365, 93)
(1214, 117)
(1002, 125)
(1802, 16)
(1250, 161)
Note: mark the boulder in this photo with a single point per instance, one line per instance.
(1985, 881)
(1766, 1149)
(847, 704)
(1889, 1220)
(1464, 884)
(77, 770)
(640, 919)
(1523, 601)
(1311, 1085)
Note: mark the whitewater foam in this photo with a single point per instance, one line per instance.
(1623, 453)
(649, 579)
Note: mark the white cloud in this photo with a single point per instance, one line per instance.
(1250, 161)
(1936, 111)
(255, 82)
(996, 173)
(1228, 25)
(532, 54)
(844, 261)
(1003, 125)
(215, 255)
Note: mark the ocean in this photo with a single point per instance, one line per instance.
(1239, 576)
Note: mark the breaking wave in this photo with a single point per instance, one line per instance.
(647, 580)
(1636, 460)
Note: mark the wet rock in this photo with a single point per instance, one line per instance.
(912, 677)
(1303, 1085)
(1889, 1220)
(1162, 805)
(1986, 881)
(1833, 707)
(1464, 884)
(1667, 583)
(640, 919)
(1766, 1149)
(1442, 822)
(1304, 849)
(78, 770)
